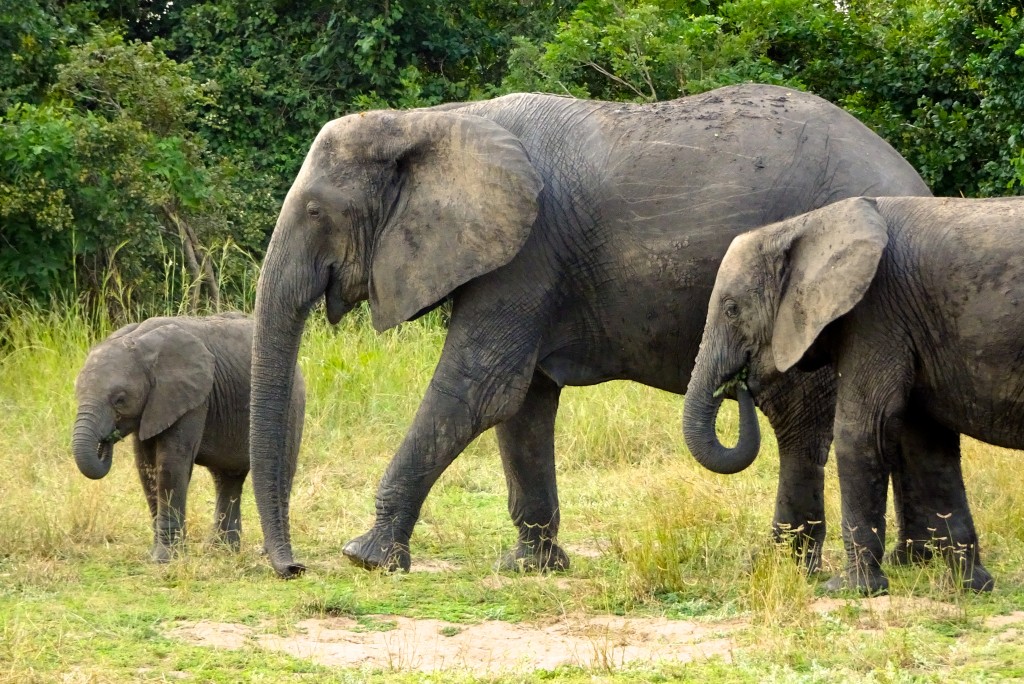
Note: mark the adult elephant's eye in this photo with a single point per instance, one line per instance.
(730, 308)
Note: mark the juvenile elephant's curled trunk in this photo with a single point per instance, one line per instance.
(700, 411)
(93, 452)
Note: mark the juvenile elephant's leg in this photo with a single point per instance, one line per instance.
(863, 485)
(228, 516)
(914, 543)
(935, 498)
(800, 408)
(527, 443)
(176, 450)
(145, 463)
(481, 379)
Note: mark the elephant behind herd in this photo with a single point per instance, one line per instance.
(578, 242)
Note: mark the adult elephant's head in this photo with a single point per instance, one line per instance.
(399, 208)
(777, 290)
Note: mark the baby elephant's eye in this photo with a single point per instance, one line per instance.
(730, 308)
(119, 401)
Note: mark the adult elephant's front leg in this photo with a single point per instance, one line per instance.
(466, 396)
(801, 409)
(527, 443)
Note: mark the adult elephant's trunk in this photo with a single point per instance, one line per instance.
(283, 301)
(91, 444)
(700, 410)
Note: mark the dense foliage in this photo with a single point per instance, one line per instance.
(145, 146)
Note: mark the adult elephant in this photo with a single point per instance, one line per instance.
(579, 242)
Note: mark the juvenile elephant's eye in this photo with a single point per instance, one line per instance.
(730, 308)
(119, 401)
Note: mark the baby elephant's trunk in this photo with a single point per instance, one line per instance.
(93, 448)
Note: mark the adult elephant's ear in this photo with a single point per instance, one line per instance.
(467, 197)
(829, 258)
(180, 370)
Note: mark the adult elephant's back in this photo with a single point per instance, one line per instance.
(641, 201)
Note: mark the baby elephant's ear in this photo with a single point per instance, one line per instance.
(830, 256)
(180, 368)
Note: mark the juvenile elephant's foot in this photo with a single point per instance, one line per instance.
(543, 556)
(806, 550)
(377, 549)
(910, 552)
(978, 580)
(969, 575)
(864, 581)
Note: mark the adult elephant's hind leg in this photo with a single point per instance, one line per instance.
(801, 409)
(527, 443)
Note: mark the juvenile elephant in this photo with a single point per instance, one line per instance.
(917, 303)
(180, 386)
(578, 242)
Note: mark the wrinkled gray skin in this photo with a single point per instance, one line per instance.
(916, 302)
(578, 242)
(180, 387)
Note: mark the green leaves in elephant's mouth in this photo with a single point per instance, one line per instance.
(733, 384)
(113, 438)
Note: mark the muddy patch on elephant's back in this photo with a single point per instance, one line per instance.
(399, 643)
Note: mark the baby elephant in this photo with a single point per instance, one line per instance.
(180, 386)
(918, 303)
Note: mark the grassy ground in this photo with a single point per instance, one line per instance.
(653, 534)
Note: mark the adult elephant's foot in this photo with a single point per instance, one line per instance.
(541, 555)
(864, 581)
(378, 550)
(910, 552)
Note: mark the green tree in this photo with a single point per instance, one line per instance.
(106, 180)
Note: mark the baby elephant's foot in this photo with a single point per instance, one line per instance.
(377, 549)
(864, 581)
(542, 555)
(161, 553)
(231, 539)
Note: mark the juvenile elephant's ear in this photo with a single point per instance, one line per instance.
(466, 203)
(180, 368)
(829, 264)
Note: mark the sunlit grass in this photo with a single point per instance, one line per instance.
(649, 532)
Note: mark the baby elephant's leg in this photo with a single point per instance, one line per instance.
(228, 516)
(176, 450)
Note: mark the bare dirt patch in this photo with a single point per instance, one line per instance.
(399, 643)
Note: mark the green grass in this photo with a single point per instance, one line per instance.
(650, 534)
